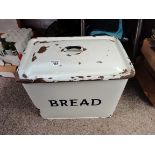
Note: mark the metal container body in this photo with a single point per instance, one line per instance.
(85, 99)
(75, 77)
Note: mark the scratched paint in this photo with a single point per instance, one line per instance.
(24, 75)
(34, 58)
(42, 49)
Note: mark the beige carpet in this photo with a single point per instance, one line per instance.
(133, 115)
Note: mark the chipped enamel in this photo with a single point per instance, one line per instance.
(104, 58)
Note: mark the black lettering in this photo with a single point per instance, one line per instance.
(73, 101)
(53, 103)
(63, 102)
(93, 102)
(84, 102)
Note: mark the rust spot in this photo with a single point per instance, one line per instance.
(42, 49)
(62, 50)
(99, 62)
(124, 71)
(34, 58)
(112, 79)
(84, 49)
(68, 55)
(125, 77)
(24, 75)
(80, 76)
(101, 77)
(70, 80)
(132, 73)
(94, 79)
(39, 80)
(79, 63)
(72, 77)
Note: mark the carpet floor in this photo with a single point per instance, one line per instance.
(133, 115)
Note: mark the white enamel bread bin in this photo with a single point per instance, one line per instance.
(75, 77)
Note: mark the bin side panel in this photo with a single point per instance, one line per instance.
(76, 99)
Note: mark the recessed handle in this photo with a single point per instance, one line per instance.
(73, 49)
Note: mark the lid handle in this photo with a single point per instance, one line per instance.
(73, 48)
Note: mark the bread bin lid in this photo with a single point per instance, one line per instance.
(57, 59)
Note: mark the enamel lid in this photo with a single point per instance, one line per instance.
(56, 59)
